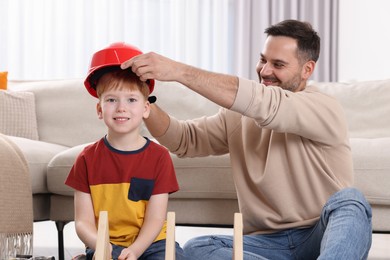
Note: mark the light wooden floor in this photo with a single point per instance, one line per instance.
(45, 240)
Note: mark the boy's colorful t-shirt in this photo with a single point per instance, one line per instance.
(122, 182)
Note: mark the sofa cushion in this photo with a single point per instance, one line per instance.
(180, 102)
(366, 105)
(17, 114)
(66, 113)
(371, 160)
(204, 177)
(38, 154)
(58, 170)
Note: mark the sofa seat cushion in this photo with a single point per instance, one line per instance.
(204, 178)
(59, 168)
(38, 154)
(371, 159)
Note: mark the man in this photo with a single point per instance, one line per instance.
(288, 146)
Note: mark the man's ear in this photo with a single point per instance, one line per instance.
(308, 69)
(99, 110)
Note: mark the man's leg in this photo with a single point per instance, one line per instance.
(343, 232)
(256, 247)
(346, 219)
(209, 247)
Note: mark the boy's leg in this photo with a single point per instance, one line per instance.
(347, 221)
(116, 251)
(179, 252)
(89, 253)
(156, 251)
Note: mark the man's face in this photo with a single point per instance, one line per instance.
(279, 64)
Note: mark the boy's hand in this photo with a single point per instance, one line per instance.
(127, 254)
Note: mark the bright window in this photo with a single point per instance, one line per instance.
(54, 39)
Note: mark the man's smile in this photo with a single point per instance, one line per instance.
(269, 81)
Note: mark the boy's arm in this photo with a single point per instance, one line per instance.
(85, 219)
(155, 216)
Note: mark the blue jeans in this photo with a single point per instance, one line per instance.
(155, 251)
(343, 232)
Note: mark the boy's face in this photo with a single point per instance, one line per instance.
(123, 109)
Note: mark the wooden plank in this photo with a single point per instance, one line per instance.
(102, 251)
(238, 253)
(170, 253)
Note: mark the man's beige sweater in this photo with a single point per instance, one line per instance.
(289, 152)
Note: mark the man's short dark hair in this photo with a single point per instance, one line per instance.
(307, 39)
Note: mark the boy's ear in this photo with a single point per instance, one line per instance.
(147, 110)
(99, 111)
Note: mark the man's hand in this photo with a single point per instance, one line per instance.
(153, 66)
(219, 88)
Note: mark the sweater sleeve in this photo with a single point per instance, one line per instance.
(197, 137)
(308, 113)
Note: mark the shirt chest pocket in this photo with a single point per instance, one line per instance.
(140, 189)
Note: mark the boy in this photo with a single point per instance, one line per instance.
(124, 173)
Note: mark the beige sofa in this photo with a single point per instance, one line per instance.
(66, 121)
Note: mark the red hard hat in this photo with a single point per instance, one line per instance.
(110, 57)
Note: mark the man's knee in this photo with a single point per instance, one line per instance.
(347, 219)
(204, 246)
(351, 194)
(349, 197)
(193, 247)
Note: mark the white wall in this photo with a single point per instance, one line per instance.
(364, 40)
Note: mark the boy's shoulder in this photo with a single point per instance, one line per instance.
(153, 144)
(90, 147)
